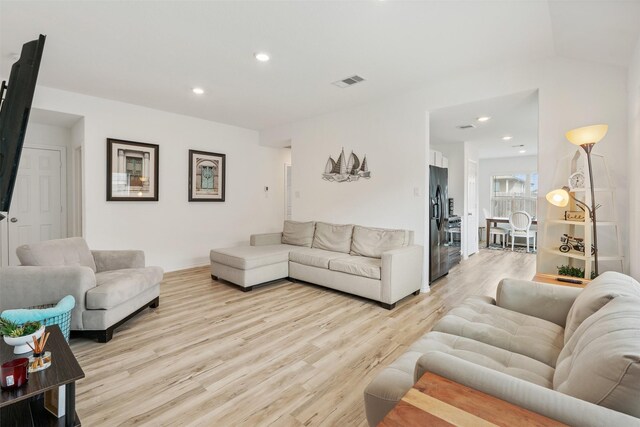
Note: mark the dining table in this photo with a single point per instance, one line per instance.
(493, 222)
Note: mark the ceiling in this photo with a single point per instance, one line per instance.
(514, 115)
(153, 53)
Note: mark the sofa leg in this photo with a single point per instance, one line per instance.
(417, 292)
(214, 277)
(388, 306)
(155, 303)
(247, 289)
(105, 336)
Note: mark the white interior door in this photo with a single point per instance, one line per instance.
(472, 208)
(36, 207)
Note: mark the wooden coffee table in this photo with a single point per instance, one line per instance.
(437, 401)
(24, 406)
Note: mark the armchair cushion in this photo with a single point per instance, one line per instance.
(331, 237)
(478, 319)
(482, 354)
(118, 286)
(71, 252)
(372, 242)
(298, 233)
(117, 260)
(601, 361)
(595, 295)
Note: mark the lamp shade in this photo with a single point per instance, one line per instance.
(587, 134)
(559, 197)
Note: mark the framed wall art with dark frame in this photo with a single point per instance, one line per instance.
(132, 171)
(207, 176)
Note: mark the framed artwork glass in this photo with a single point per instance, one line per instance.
(132, 171)
(207, 177)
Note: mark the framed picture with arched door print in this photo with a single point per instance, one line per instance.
(206, 176)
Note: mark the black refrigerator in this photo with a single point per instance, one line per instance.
(438, 213)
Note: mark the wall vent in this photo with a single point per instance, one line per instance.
(349, 81)
(466, 127)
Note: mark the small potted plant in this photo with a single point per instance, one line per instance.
(19, 335)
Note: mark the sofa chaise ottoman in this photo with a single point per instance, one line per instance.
(379, 264)
(570, 354)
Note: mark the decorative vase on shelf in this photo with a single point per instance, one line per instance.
(20, 344)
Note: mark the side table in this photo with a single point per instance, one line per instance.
(553, 279)
(438, 401)
(23, 407)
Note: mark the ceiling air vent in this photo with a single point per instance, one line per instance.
(349, 81)
(466, 127)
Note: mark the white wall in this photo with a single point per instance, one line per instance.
(385, 134)
(634, 161)
(502, 166)
(394, 136)
(173, 232)
(470, 223)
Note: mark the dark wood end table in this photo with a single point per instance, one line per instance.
(22, 407)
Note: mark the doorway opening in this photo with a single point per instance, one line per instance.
(489, 149)
(47, 199)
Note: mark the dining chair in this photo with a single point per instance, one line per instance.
(521, 227)
(496, 231)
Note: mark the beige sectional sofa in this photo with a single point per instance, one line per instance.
(567, 353)
(379, 264)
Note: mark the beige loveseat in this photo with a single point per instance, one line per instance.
(109, 286)
(570, 354)
(379, 264)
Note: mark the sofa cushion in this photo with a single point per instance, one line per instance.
(479, 319)
(248, 257)
(298, 233)
(372, 242)
(595, 295)
(118, 286)
(486, 355)
(314, 257)
(72, 252)
(331, 237)
(358, 266)
(601, 361)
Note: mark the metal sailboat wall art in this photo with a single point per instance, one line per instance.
(346, 171)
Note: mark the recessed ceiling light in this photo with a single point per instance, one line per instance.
(262, 56)
(483, 118)
(507, 138)
(522, 151)
(198, 90)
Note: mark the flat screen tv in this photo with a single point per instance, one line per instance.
(16, 97)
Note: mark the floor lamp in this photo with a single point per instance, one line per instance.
(586, 137)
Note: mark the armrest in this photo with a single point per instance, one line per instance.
(541, 300)
(266, 239)
(22, 287)
(401, 272)
(545, 401)
(118, 260)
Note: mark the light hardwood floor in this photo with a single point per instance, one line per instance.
(286, 354)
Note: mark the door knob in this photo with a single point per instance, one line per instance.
(14, 219)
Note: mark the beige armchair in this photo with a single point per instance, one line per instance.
(110, 287)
